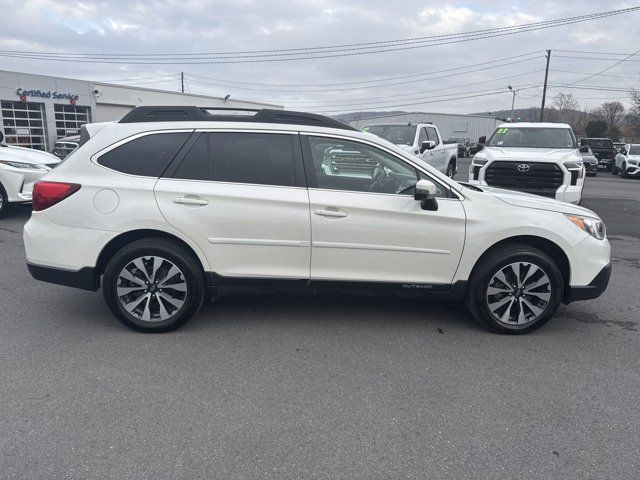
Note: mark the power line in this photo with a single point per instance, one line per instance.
(606, 69)
(591, 58)
(429, 100)
(298, 91)
(333, 51)
(401, 77)
(338, 103)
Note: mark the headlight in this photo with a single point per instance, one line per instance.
(478, 162)
(632, 162)
(20, 165)
(575, 167)
(593, 226)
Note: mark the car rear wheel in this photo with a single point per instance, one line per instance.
(515, 289)
(153, 285)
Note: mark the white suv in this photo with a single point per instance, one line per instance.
(539, 158)
(173, 204)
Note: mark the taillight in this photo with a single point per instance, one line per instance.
(47, 194)
(613, 153)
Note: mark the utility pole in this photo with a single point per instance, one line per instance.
(513, 101)
(182, 79)
(544, 90)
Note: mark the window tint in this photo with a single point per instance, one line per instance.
(345, 165)
(196, 164)
(262, 158)
(146, 156)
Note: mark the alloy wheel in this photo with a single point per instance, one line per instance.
(518, 293)
(152, 289)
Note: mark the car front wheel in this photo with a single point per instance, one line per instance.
(4, 202)
(515, 289)
(153, 285)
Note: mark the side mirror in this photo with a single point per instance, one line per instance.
(426, 194)
(482, 140)
(584, 149)
(427, 145)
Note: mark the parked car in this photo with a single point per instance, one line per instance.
(590, 161)
(603, 149)
(172, 204)
(421, 139)
(64, 146)
(19, 169)
(538, 158)
(464, 145)
(627, 162)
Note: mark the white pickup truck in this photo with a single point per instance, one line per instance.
(538, 158)
(421, 139)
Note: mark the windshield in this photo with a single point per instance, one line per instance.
(398, 134)
(533, 137)
(634, 150)
(602, 143)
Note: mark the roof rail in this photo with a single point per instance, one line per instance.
(195, 114)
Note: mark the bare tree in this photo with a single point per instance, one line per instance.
(566, 109)
(612, 113)
(633, 115)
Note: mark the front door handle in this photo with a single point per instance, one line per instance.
(330, 213)
(191, 200)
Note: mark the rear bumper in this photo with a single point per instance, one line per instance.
(85, 278)
(596, 288)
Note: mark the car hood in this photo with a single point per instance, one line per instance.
(408, 148)
(545, 155)
(528, 200)
(633, 157)
(27, 155)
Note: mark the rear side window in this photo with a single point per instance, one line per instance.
(262, 158)
(196, 164)
(146, 156)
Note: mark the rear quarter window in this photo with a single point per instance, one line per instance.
(147, 156)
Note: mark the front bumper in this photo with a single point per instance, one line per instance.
(633, 170)
(595, 288)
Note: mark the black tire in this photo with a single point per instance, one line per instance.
(623, 172)
(4, 201)
(477, 298)
(190, 273)
(451, 170)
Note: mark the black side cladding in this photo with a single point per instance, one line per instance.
(197, 114)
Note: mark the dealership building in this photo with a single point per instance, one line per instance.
(36, 110)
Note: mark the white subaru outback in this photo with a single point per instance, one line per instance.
(173, 204)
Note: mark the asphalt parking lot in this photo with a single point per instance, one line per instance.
(280, 387)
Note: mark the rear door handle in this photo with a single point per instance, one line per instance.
(330, 213)
(191, 200)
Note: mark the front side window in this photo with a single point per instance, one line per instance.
(146, 156)
(259, 158)
(422, 136)
(348, 165)
(533, 137)
(634, 150)
(398, 134)
(433, 135)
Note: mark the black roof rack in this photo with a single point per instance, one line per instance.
(265, 115)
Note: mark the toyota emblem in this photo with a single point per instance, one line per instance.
(523, 168)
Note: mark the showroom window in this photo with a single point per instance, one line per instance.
(23, 124)
(69, 119)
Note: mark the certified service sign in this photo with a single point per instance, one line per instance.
(23, 94)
